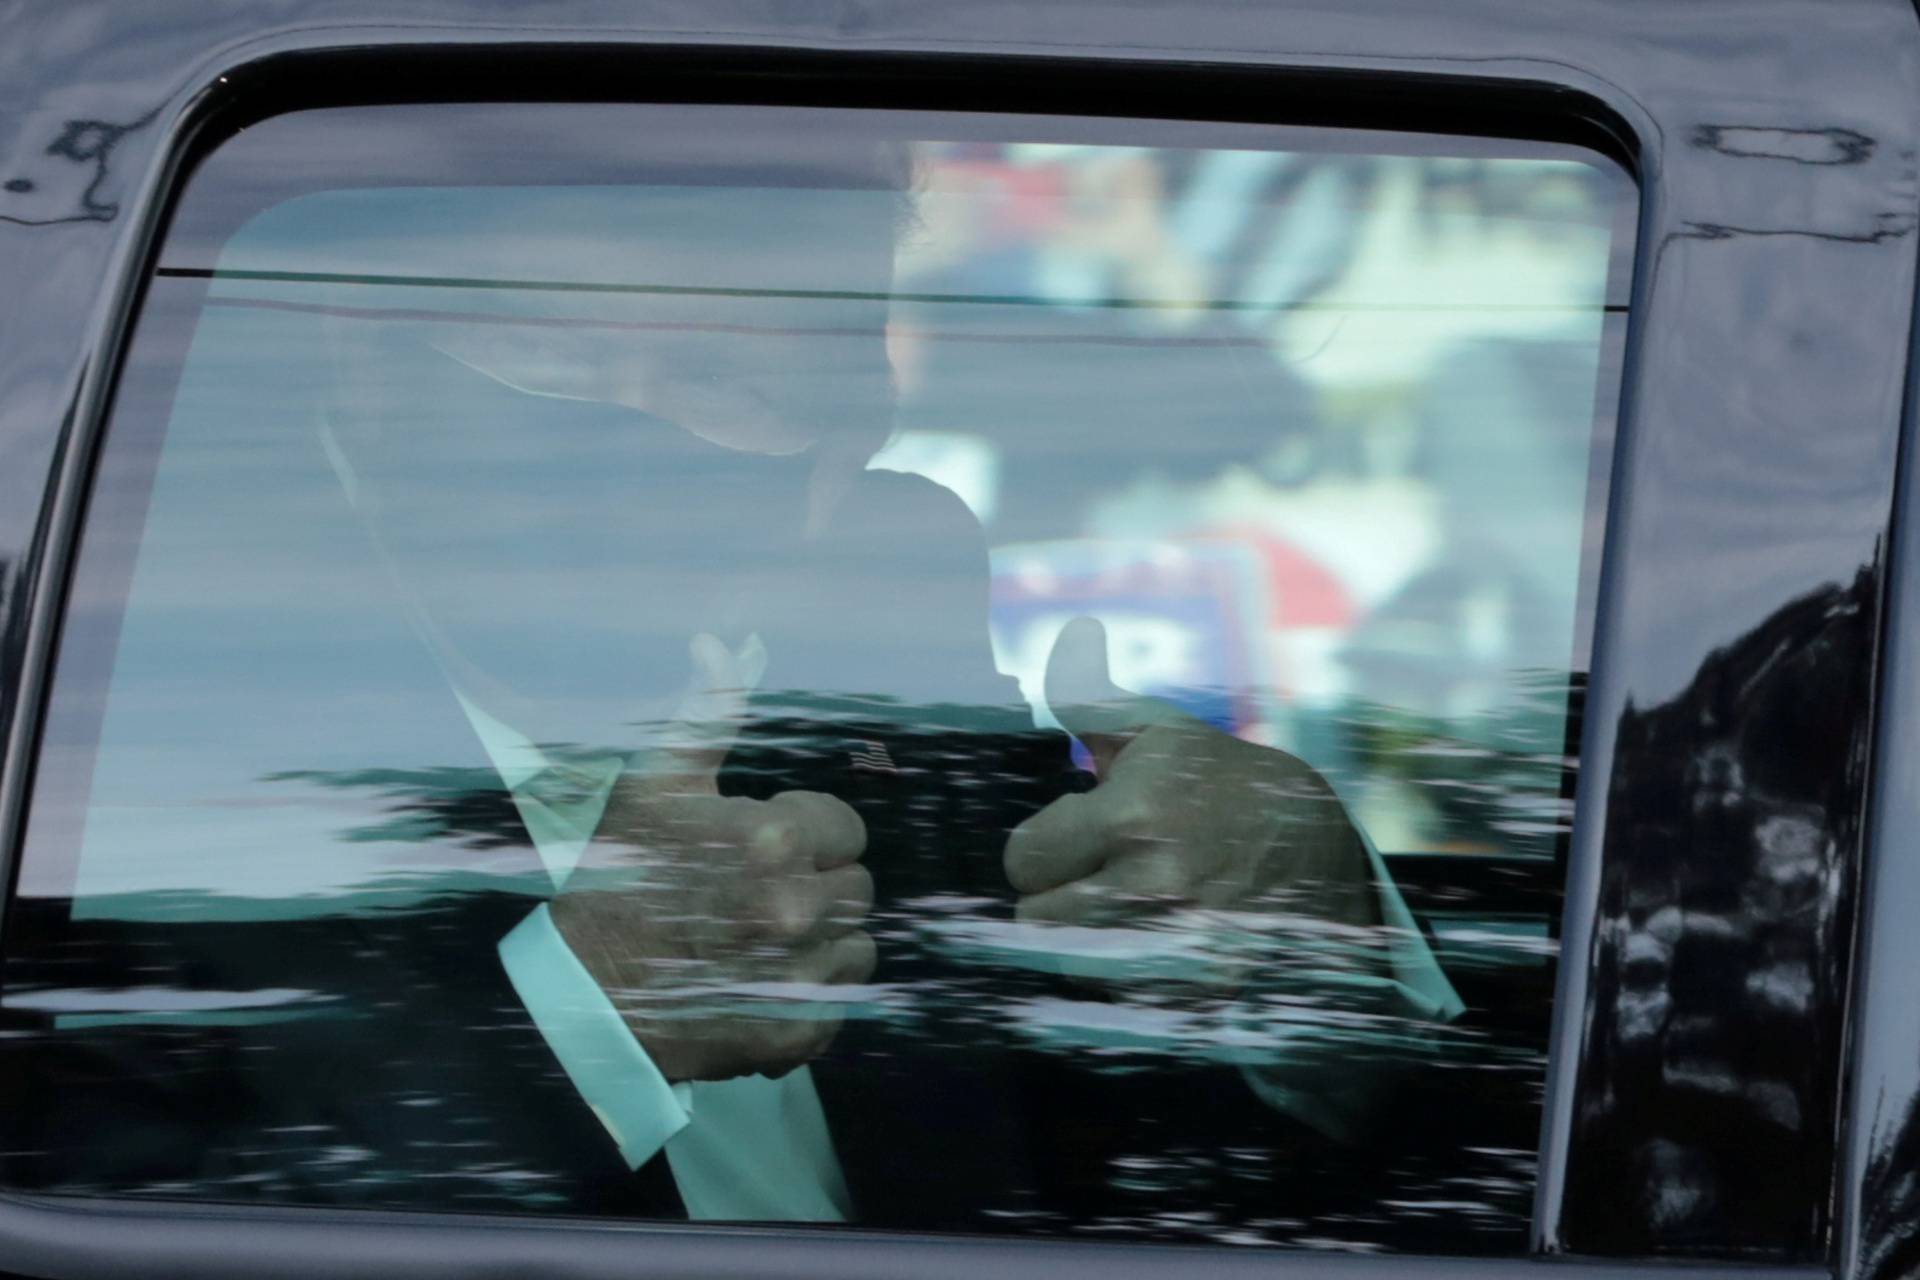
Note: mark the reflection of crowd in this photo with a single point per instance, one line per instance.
(1717, 936)
(1239, 345)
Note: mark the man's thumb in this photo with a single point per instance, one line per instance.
(695, 742)
(1083, 697)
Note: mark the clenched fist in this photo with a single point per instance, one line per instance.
(722, 928)
(1233, 853)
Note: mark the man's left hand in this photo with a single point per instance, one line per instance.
(1186, 824)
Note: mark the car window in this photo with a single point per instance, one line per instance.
(970, 673)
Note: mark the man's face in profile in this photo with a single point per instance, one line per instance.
(573, 486)
(769, 368)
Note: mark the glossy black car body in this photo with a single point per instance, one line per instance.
(1749, 757)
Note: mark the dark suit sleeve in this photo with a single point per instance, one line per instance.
(406, 1076)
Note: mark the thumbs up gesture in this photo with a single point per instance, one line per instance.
(722, 928)
(1186, 822)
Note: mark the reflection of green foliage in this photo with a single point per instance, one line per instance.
(390, 893)
(1493, 778)
(428, 804)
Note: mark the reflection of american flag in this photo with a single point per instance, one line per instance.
(872, 756)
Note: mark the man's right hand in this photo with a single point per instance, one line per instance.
(719, 926)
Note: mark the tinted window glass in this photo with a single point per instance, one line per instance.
(967, 673)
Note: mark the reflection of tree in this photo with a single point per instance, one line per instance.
(402, 1048)
(1496, 779)
(433, 803)
(1709, 1075)
(353, 1063)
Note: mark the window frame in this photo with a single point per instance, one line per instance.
(403, 148)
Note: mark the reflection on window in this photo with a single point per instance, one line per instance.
(737, 666)
(1334, 507)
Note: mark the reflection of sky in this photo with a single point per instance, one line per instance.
(720, 237)
(263, 632)
(259, 636)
